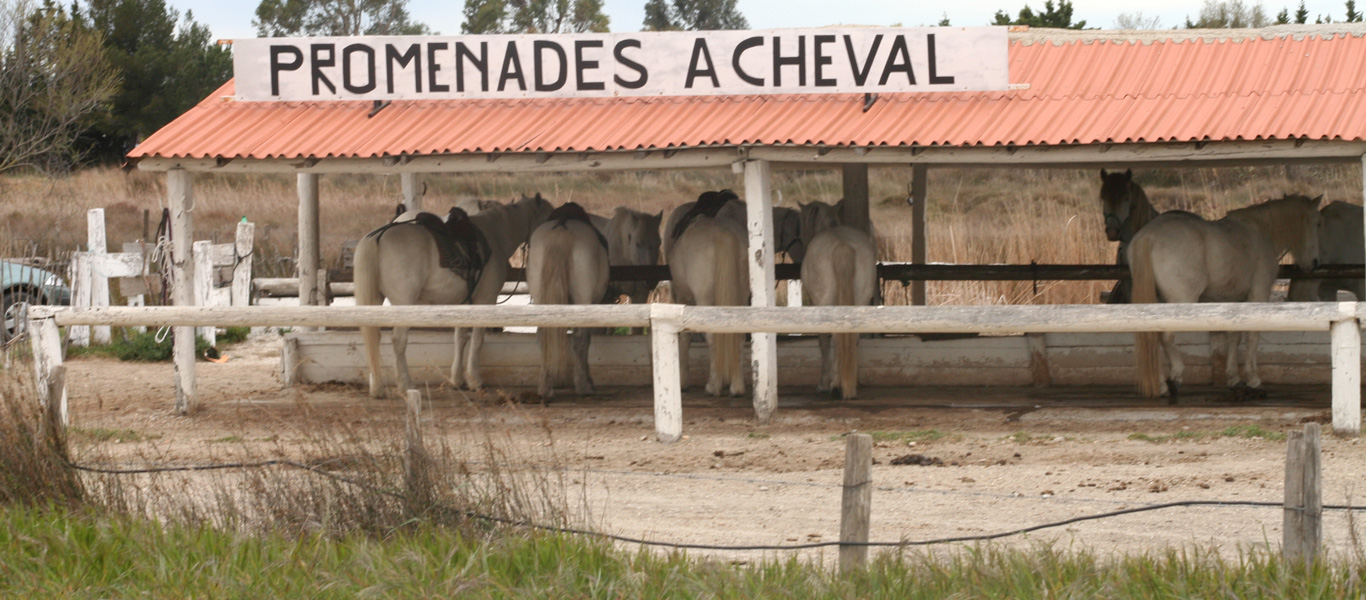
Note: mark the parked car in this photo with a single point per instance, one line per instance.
(22, 286)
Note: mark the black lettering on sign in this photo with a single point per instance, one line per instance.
(277, 65)
(433, 66)
(822, 59)
(319, 62)
(899, 60)
(620, 55)
(935, 77)
(512, 69)
(348, 54)
(396, 61)
(478, 61)
(538, 63)
(740, 48)
(581, 65)
(780, 61)
(701, 53)
(861, 73)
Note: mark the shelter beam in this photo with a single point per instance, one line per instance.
(180, 196)
(763, 346)
(309, 249)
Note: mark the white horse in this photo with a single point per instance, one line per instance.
(840, 269)
(786, 224)
(1340, 243)
(1181, 257)
(707, 267)
(402, 262)
(566, 263)
(633, 239)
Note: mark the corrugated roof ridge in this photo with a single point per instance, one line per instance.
(1058, 37)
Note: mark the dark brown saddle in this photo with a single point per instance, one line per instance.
(571, 211)
(709, 204)
(460, 246)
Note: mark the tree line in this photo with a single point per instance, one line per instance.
(87, 81)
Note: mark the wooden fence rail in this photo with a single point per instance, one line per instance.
(665, 320)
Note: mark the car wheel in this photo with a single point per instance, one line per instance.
(15, 305)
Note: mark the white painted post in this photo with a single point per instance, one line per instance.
(97, 243)
(241, 269)
(180, 192)
(46, 341)
(763, 346)
(794, 292)
(203, 286)
(412, 191)
(308, 240)
(665, 325)
(82, 278)
(920, 184)
(1346, 354)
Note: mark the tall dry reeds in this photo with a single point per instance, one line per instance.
(974, 215)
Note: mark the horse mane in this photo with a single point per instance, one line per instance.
(1282, 219)
(1116, 185)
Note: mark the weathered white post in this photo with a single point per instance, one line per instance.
(763, 346)
(1346, 356)
(416, 467)
(82, 278)
(203, 286)
(45, 339)
(920, 185)
(241, 268)
(97, 244)
(857, 504)
(665, 325)
(412, 191)
(180, 193)
(309, 251)
(1302, 526)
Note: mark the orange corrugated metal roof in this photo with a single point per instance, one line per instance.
(1079, 92)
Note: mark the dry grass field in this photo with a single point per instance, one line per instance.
(974, 215)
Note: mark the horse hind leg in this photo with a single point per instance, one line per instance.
(1172, 385)
(715, 365)
(1250, 360)
(581, 338)
(462, 335)
(405, 381)
(472, 376)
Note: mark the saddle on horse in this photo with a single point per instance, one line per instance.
(460, 246)
(571, 211)
(708, 204)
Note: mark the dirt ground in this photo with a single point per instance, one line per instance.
(982, 460)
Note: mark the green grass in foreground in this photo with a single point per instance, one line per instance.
(1252, 432)
(52, 553)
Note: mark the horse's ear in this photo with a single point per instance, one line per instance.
(1129, 174)
(659, 216)
(1103, 174)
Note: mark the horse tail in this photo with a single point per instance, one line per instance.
(846, 344)
(367, 294)
(730, 290)
(1144, 291)
(553, 288)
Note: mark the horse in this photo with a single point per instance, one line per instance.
(633, 239)
(1181, 257)
(786, 224)
(566, 263)
(707, 266)
(415, 262)
(1126, 209)
(840, 269)
(474, 206)
(1340, 243)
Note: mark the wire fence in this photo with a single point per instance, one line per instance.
(313, 469)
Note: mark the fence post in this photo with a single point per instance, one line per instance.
(45, 339)
(1346, 355)
(1303, 521)
(241, 268)
(97, 244)
(856, 507)
(203, 286)
(415, 465)
(665, 325)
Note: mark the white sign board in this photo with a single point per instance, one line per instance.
(786, 61)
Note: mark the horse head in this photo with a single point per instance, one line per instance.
(635, 235)
(535, 208)
(816, 217)
(787, 232)
(1306, 248)
(1117, 197)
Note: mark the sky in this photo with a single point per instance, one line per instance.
(232, 19)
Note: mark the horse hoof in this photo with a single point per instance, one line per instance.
(1173, 387)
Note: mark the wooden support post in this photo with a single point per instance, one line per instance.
(920, 185)
(203, 286)
(1346, 355)
(54, 410)
(413, 190)
(241, 268)
(82, 278)
(179, 189)
(1303, 522)
(794, 292)
(856, 506)
(416, 470)
(763, 346)
(45, 339)
(1038, 359)
(854, 210)
(665, 320)
(289, 362)
(309, 250)
(97, 243)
